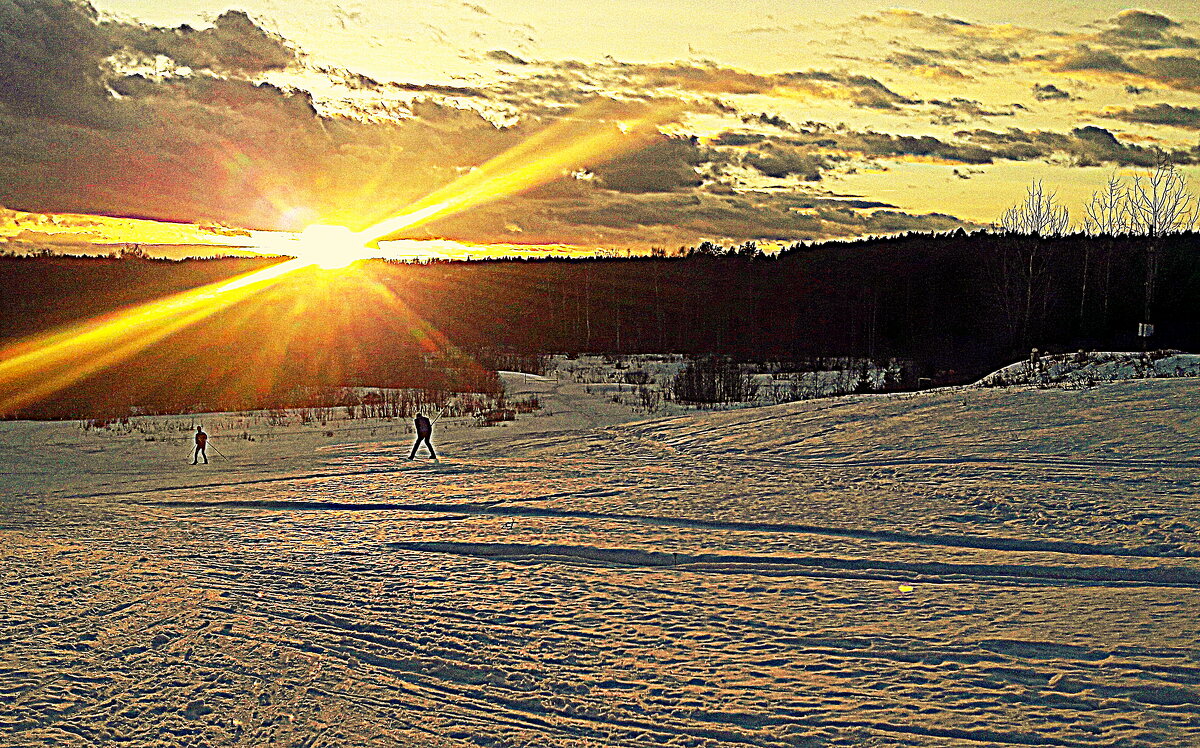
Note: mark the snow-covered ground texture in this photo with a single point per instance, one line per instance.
(969, 567)
(1087, 368)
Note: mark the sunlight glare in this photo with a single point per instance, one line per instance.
(329, 247)
(43, 364)
(593, 134)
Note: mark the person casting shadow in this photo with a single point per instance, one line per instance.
(424, 431)
(201, 444)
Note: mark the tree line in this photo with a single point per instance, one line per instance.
(951, 306)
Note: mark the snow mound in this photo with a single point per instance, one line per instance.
(1085, 369)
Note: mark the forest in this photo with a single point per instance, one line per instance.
(950, 307)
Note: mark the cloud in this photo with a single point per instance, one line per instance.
(959, 109)
(235, 44)
(1185, 117)
(1087, 59)
(50, 55)
(78, 135)
(1175, 71)
(715, 79)
(1172, 70)
(358, 81)
(772, 120)
(924, 22)
(665, 165)
(1049, 92)
(1139, 23)
(836, 144)
(813, 150)
(925, 63)
(669, 219)
(1082, 146)
(1144, 30)
(780, 161)
(861, 89)
(508, 58)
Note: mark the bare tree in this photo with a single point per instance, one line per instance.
(1023, 266)
(1039, 214)
(1159, 204)
(1108, 210)
(1106, 216)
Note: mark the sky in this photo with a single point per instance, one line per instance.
(219, 124)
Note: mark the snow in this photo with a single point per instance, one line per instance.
(1085, 369)
(973, 566)
(626, 379)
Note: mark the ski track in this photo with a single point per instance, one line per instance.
(790, 576)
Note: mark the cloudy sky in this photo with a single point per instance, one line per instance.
(786, 120)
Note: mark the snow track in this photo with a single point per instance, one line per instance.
(866, 572)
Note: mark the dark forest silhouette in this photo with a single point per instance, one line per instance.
(952, 306)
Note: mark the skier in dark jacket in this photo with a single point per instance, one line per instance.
(201, 443)
(424, 431)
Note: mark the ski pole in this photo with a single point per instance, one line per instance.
(214, 446)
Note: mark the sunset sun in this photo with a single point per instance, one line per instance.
(329, 247)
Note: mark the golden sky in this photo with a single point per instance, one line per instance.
(789, 120)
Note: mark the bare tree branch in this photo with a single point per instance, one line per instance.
(1038, 215)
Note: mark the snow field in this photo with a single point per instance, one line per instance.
(968, 567)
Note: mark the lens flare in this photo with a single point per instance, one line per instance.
(44, 364)
(586, 137)
(329, 247)
(47, 363)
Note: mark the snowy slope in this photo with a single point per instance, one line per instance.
(1085, 369)
(969, 567)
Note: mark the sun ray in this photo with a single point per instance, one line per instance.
(37, 367)
(590, 135)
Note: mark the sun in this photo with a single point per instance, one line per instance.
(329, 247)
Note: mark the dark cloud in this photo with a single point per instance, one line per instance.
(1083, 146)
(1087, 59)
(714, 79)
(550, 86)
(1186, 117)
(782, 160)
(923, 22)
(50, 58)
(235, 44)
(1144, 30)
(1173, 70)
(360, 82)
(926, 62)
(959, 109)
(814, 149)
(864, 90)
(770, 120)
(1142, 23)
(1049, 92)
(665, 165)
(667, 219)
(78, 135)
(503, 56)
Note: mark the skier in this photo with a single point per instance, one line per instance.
(424, 431)
(201, 442)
